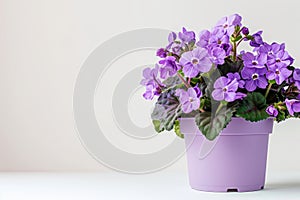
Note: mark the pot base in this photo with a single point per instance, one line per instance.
(247, 188)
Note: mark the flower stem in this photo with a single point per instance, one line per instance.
(234, 49)
(184, 81)
(241, 41)
(159, 85)
(268, 89)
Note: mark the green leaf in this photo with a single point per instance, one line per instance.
(166, 111)
(281, 116)
(211, 124)
(230, 66)
(177, 129)
(253, 107)
(172, 81)
(156, 124)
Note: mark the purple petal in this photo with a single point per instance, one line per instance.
(262, 82)
(205, 65)
(296, 74)
(262, 59)
(240, 95)
(200, 53)
(296, 106)
(270, 75)
(146, 72)
(218, 94)
(233, 86)
(248, 56)
(230, 96)
(288, 104)
(190, 71)
(221, 82)
(250, 85)
(297, 83)
(247, 73)
(285, 72)
(172, 37)
(272, 111)
(195, 104)
(235, 20)
(192, 93)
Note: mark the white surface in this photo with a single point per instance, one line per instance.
(92, 186)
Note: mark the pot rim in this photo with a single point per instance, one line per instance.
(237, 126)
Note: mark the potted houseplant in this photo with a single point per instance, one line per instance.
(210, 91)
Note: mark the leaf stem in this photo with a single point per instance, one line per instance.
(201, 110)
(219, 107)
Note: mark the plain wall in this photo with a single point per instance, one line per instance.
(44, 43)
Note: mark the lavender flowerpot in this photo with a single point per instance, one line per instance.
(234, 161)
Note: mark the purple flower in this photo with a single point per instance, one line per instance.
(271, 49)
(195, 61)
(236, 76)
(217, 43)
(229, 23)
(214, 39)
(189, 99)
(276, 53)
(217, 55)
(150, 76)
(186, 36)
(272, 111)
(152, 83)
(225, 89)
(257, 39)
(218, 37)
(280, 58)
(254, 78)
(293, 105)
(151, 91)
(204, 37)
(161, 53)
(168, 67)
(252, 61)
(278, 72)
(296, 77)
(173, 45)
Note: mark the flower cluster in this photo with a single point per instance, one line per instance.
(207, 69)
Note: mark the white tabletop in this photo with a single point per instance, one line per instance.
(114, 185)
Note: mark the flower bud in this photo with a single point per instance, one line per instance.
(245, 31)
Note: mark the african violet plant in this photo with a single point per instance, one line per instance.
(209, 79)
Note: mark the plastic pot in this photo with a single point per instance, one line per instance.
(234, 162)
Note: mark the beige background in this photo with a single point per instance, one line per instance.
(44, 43)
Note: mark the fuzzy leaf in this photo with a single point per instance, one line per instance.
(211, 124)
(171, 81)
(281, 116)
(177, 129)
(253, 107)
(166, 111)
(230, 66)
